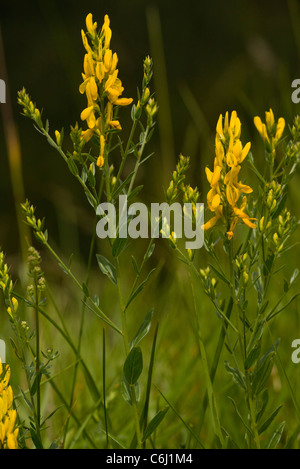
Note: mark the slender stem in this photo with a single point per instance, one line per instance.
(37, 360)
(209, 386)
(127, 350)
(125, 154)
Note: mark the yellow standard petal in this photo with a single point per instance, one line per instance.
(280, 128)
(123, 101)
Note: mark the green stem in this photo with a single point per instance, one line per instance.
(127, 350)
(37, 361)
(209, 386)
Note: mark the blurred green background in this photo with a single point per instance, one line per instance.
(209, 57)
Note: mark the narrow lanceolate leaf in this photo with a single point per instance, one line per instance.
(143, 330)
(236, 374)
(154, 423)
(268, 422)
(276, 437)
(139, 288)
(133, 366)
(252, 357)
(107, 268)
(219, 274)
(294, 276)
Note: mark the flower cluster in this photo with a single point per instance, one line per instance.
(224, 196)
(6, 285)
(101, 84)
(8, 415)
(270, 131)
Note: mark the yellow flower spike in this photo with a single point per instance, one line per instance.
(100, 68)
(270, 132)
(223, 180)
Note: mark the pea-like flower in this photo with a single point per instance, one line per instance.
(224, 196)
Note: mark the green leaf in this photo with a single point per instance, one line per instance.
(139, 289)
(150, 252)
(133, 366)
(63, 268)
(72, 166)
(25, 398)
(134, 193)
(134, 263)
(122, 186)
(91, 199)
(154, 423)
(280, 206)
(262, 374)
(85, 290)
(252, 356)
(221, 276)
(107, 268)
(237, 376)
(273, 314)
(294, 276)
(269, 420)
(143, 330)
(276, 437)
(265, 400)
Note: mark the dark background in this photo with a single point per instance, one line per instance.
(209, 57)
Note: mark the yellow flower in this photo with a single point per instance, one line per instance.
(90, 26)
